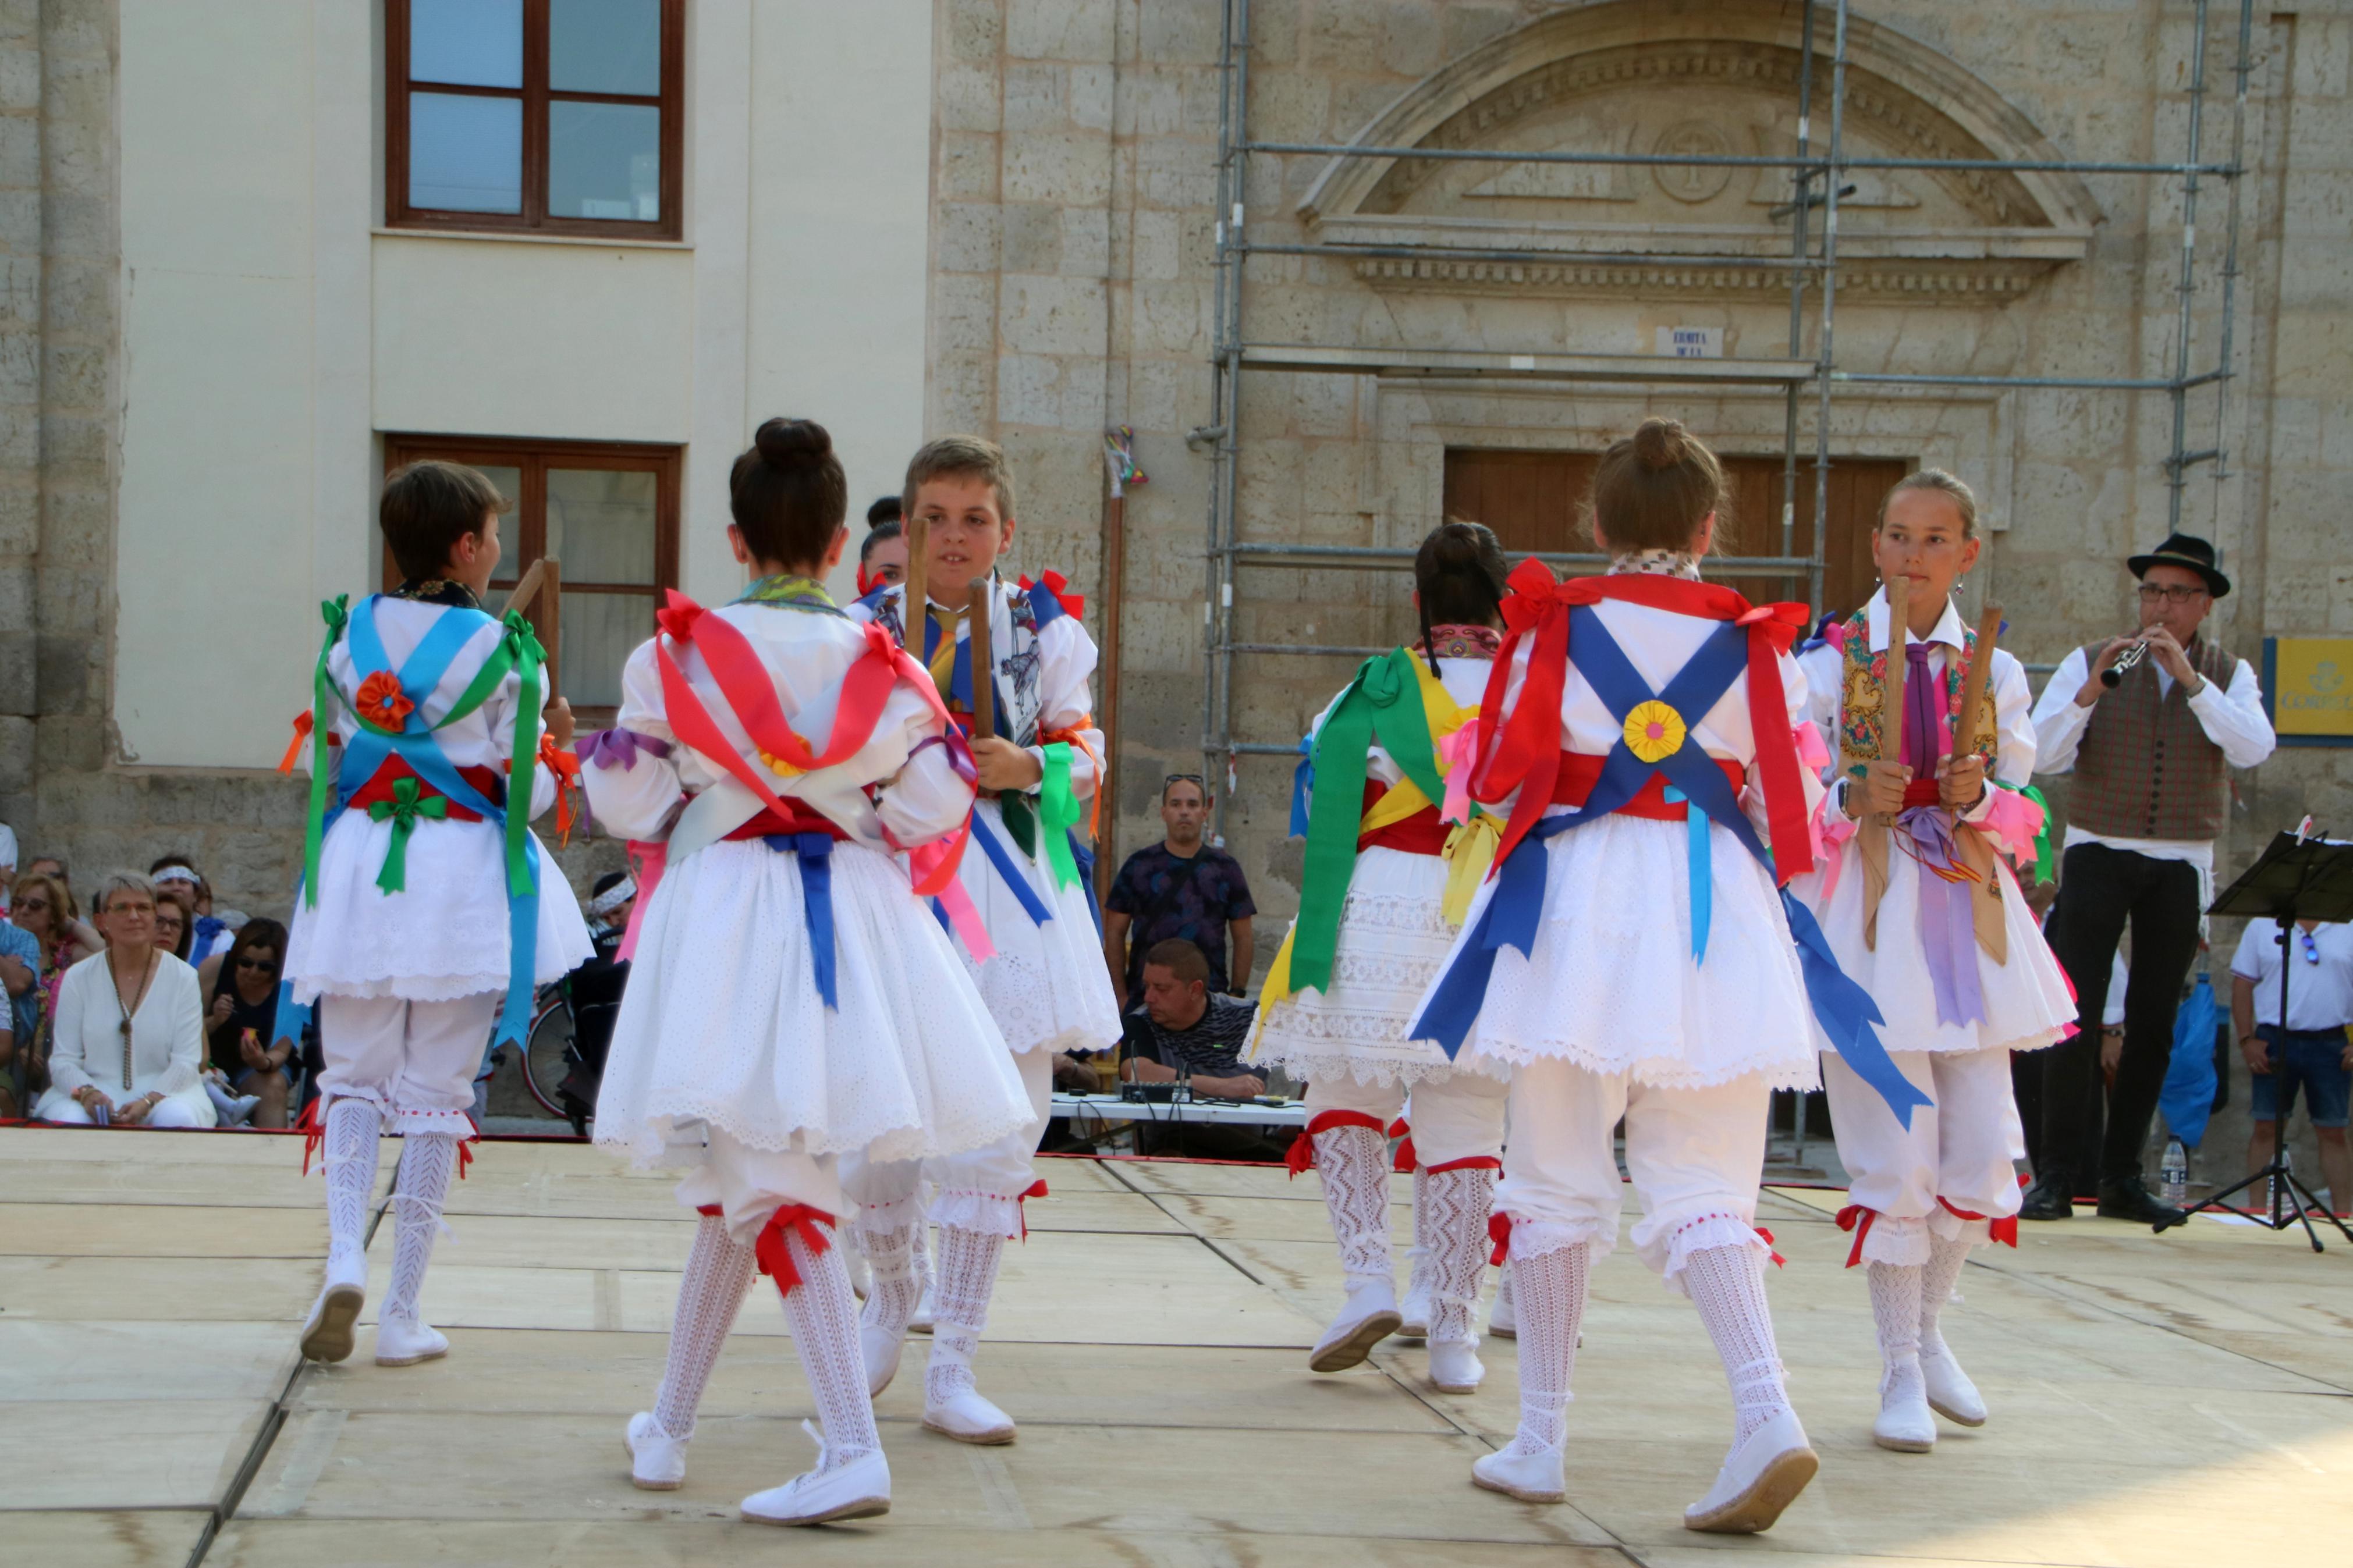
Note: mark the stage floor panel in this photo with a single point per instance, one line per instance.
(2159, 1402)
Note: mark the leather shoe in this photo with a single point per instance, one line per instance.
(2129, 1197)
(2048, 1198)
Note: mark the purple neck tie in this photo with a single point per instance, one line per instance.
(1920, 747)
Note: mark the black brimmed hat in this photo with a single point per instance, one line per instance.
(2185, 551)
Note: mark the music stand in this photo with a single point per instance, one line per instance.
(2296, 879)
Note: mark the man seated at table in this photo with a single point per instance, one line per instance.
(1182, 1028)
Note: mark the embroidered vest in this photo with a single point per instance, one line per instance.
(2146, 768)
(1012, 646)
(1862, 700)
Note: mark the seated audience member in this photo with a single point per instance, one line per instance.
(241, 1025)
(212, 928)
(7, 864)
(2311, 1053)
(1184, 1029)
(595, 990)
(175, 921)
(42, 908)
(129, 1035)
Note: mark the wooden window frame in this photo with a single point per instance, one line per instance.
(535, 95)
(523, 531)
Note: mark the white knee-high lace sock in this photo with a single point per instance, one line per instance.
(1937, 1276)
(1895, 1312)
(420, 1190)
(1457, 1204)
(1549, 1292)
(968, 1261)
(351, 1126)
(1728, 1286)
(1353, 1162)
(718, 1274)
(890, 1299)
(824, 1317)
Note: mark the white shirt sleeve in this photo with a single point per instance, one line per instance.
(2013, 729)
(185, 1025)
(1823, 691)
(642, 800)
(1066, 667)
(2247, 959)
(2059, 721)
(926, 798)
(2233, 718)
(68, 1071)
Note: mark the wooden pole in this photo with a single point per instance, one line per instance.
(1973, 684)
(542, 585)
(1114, 570)
(1899, 633)
(914, 607)
(981, 602)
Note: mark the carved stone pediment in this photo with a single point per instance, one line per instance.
(1639, 76)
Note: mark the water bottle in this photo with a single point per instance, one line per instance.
(2173, 1173)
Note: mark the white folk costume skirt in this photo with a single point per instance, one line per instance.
(1611, 986)
(1047, 987)
(444, 936)
(1393, 939)
(723, 1031)
(2027, 1002)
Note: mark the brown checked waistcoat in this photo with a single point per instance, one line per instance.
(2146, 768)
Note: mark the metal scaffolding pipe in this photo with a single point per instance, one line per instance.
(2231, 244)
(2177, 471)
(1802, 182)
(1836, 166)
(1737, 159)
(2084, 382)
(1541, 258)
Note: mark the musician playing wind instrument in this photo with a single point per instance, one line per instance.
(1932, 748)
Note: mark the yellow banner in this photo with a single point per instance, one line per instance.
(2311, 687)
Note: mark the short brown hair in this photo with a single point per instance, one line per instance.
(1950, 486)
(427, 507)
(1181, 959)
(964, 456)
(1653, 490)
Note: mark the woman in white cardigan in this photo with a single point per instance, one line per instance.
(129, 1036)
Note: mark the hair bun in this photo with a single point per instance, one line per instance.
(792, 444)
(1659, 443)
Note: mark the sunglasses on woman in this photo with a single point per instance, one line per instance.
(264, 965)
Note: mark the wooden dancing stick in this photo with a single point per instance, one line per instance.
(542, 581)
(914, 607)
(983, 600)
(1973, 684)
(1899, 631)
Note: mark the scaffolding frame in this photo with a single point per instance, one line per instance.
(1234, 355)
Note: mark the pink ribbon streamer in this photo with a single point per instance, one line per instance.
(1456, 754)
(648, 858)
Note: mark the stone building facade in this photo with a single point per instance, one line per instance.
(1073, 211)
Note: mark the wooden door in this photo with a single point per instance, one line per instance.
(1532, 500)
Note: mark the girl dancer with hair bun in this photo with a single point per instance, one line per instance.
(1632, 957)
(792, 1001)
(1940, 936)
(1388, 881)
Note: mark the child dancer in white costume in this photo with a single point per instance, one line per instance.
(1953, 959)
(1387, 883)
(792, 1001)
(426, 899)
(1632, 957)
(1023, 910)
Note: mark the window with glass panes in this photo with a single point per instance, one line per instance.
(608, 513)
(553, 116)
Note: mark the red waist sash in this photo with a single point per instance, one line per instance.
(489, 781)
(1580, 771)
(1420, 833)
(767, 824)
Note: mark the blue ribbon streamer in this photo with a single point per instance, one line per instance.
(1000, 854)
(1303, 786)
(1085, 859)
(1845, 1011)
(816, 852)
(1703, 872)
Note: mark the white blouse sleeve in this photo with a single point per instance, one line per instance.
(638, 800)
(1821, 668)
(184, 1027)
(926, 798)
(1066, 667)
(69, 1070)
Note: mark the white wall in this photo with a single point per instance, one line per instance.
(270, 330)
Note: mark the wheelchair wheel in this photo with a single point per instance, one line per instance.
(545, 1067)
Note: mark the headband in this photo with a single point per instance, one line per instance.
(613, 898)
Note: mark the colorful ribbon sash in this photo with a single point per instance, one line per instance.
(1654, 740)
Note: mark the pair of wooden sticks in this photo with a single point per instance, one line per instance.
(1973, 684)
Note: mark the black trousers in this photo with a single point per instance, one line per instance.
(2101, 889)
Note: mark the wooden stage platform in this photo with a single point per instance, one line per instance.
(2184, 1400)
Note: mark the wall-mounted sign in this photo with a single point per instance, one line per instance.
(2308, 689)
(1690, 342)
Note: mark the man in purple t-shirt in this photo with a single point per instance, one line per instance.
(1179, 888)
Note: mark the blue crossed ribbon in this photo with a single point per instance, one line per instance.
(1509, 918)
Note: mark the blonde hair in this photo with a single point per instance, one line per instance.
(963, 455)
(1950, 486)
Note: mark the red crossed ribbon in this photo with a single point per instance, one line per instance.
(751, 693)
(1524, 751)
(775, 1258)
(1036, 1189)
(1767, 1238)
(1054, 583)
(1499, 1231)
(1402, 1131)
(314, 1131)
(2003, 1230)
(1301, 1153)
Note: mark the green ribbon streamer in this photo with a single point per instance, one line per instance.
(1058, 811)
(2043, 859)
(1383, 702)
(335, 612)
(521, 646)
(409, 803)
(1021, 820)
